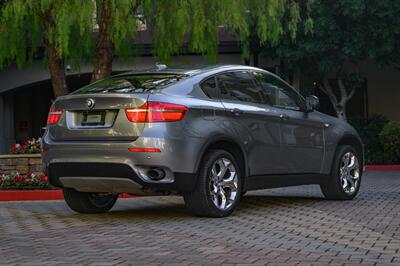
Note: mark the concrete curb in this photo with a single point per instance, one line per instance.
(383, 167)
(31, 195)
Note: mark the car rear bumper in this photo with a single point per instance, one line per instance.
(110, 164)
(112, 177)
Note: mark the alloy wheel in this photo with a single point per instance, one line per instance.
(349, 173)
(223, 185)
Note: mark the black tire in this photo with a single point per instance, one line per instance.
(332, 188)
(84, 202)
(199, 202)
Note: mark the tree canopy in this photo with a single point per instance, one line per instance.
(81, 30)
(344, 32)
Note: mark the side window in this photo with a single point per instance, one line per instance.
(238, 86)
(209, 86)
(277, 93)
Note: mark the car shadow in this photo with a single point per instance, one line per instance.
(170, 211)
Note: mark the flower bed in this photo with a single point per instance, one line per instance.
(16, 181)
(30, 146)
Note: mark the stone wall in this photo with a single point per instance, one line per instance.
(21, 163)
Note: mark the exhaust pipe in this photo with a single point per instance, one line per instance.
(156, 174)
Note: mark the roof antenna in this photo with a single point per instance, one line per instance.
(160, 66)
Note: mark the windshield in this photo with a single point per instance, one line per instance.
(132, 84)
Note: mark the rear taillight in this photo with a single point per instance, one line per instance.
(54, 116)
(156, 112)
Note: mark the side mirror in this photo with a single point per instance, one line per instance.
(312, 102)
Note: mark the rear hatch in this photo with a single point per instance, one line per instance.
(97, 112)
(96, 117)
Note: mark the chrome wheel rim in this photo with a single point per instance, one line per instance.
(223, 184)
(349, 173)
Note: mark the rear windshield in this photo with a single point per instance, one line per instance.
(132, 84)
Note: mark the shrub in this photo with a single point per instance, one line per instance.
(369, 133)
(390, 139)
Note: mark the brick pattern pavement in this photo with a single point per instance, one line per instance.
(287, 226)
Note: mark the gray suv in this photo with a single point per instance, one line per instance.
(207, 133)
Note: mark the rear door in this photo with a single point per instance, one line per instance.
(255, 124)
(302, 133)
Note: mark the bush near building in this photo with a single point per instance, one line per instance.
(390, 139)
(381, 139)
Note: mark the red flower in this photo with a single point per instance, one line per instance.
(43, 178)
(13, 148)
(19, 178)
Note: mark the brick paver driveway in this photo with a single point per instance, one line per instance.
(282, 226)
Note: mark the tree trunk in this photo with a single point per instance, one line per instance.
(55, 59)
(104, 47)
(341, 112)
(57, 71)
(254, 58)
(338, 104)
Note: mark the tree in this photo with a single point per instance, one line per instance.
(270, 30)
(255, 23)
(117, 26)
(344, 33)
(29, 25)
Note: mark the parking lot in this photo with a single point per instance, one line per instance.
(280, 226)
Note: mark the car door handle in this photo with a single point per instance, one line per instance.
(236, 111)
(284, 117)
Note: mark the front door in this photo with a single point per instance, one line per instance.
(301, 133)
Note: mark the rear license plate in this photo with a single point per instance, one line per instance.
(94, 118)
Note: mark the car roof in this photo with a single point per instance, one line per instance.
(189, 70)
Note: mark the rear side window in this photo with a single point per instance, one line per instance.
(238, 86)
(131, 84)
(209, 86)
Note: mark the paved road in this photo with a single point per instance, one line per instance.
(278, 227)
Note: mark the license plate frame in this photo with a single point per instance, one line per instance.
(93, 118)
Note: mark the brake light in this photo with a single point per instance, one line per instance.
(156, 112)
(54, 116)
(144, 149)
